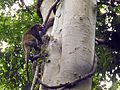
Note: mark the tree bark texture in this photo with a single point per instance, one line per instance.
(72, 42)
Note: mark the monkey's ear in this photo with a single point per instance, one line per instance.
(39, 27)
(35, 26)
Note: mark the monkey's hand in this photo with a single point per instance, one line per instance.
(46, 39)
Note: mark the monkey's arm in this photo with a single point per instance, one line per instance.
(53, 7)
(27, 56)
(28, 43)
(48, 25)
(48, 22)
(49, 12)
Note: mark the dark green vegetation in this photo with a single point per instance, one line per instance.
(108, 45)
(12, 25)
(14, 22)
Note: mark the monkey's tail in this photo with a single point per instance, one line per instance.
(27, 72)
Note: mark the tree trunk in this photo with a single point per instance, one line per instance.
(71, 48)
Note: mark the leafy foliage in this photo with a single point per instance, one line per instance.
(12, 25)
(108, 29)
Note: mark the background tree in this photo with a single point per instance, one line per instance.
(13, 22)
(107, 33)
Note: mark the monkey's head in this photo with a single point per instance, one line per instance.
(37, 27)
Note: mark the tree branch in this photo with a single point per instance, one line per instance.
(27, 8)
(100, 41)
(35, 78)
(38, 5)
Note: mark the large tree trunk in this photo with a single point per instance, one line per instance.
(71, 47)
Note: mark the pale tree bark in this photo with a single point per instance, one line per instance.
(71, 48)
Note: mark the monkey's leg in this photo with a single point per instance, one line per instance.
(27, 56)
(34, 64)
(28, 47)
(34, 44)
(37, 50)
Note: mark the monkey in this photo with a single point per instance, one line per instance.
(47, 23)
(31, 40)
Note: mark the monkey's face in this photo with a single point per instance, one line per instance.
(38, 27)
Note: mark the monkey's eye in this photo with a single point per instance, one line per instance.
(39, 28)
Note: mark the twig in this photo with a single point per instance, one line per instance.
(27, 8)
(35, 77)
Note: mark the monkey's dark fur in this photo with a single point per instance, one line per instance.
(32, 39)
